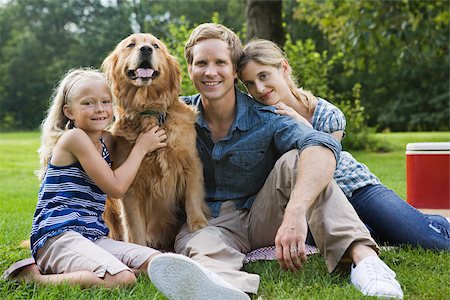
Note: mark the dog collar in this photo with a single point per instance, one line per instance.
(160, 115)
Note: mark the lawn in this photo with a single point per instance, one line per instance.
(423, 274)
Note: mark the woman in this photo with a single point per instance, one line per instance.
(265, 71)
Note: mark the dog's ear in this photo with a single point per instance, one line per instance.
(175, 74)
(109, 64)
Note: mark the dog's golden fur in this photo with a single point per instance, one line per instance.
(145, 82)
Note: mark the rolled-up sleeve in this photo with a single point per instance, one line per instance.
(292, 135)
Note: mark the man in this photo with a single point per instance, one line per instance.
(267, 179)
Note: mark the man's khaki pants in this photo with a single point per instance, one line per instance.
(219, 247)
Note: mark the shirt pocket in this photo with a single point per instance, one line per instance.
(246, 159)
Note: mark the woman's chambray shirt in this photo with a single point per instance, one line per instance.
(236, 167)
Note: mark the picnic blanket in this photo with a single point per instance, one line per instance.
(268, 253)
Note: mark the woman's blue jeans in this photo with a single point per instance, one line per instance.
(392, 221)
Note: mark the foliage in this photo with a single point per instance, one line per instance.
(157, 16)
(310, 67)
(178, 35)
(45, 40)
(41, 40)
(358, 133)
(315, 69)
(397, 50)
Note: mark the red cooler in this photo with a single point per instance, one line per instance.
(428, 175)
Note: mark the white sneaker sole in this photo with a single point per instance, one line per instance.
(180, 278)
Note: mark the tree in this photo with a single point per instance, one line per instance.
(264, 20)
(42, 41)
(157, 16)
(397, 50)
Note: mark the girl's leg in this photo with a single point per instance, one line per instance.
(71, 258)
(395, 222)
(143, 268)
(136, 257)
(31, 273)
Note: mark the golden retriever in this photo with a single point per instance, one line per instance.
(145, 82)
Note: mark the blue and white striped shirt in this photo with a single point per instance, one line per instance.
(350, 174)
(68, 200)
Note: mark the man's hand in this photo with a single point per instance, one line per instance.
(316, 167)
(290, 242)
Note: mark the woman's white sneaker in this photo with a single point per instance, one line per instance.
(374, 278)
(181, 278)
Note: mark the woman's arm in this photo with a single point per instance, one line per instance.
(331, 121)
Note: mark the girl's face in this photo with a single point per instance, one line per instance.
(265, 83)
(91, 107)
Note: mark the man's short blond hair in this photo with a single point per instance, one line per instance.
(214, 31)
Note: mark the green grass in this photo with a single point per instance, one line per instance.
(423, 274)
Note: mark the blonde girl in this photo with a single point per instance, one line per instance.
(267, 75)
(69, 237)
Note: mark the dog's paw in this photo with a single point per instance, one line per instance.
(197, 225)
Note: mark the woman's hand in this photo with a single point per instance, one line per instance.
(286, 110)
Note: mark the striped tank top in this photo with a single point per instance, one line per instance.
(68, 200)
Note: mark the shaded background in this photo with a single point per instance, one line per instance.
(384, 63)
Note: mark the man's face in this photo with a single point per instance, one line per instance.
(212, 71)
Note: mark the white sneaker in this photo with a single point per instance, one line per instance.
(374, 278)
(181, 278)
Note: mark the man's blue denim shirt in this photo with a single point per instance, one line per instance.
(236, 167)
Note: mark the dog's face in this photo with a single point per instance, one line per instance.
(142, 57)
(142, 61)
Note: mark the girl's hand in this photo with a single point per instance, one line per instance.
(283, 109)
(151, 140)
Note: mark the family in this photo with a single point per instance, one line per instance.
(274, 175)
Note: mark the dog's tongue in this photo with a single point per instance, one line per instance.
(147, 73)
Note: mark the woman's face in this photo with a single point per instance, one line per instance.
(265, 83)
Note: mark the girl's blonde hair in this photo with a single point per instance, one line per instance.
(268, 53)
(56, 122)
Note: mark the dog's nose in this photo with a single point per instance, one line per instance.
(146, 50)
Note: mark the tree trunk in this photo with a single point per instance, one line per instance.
(264, 20)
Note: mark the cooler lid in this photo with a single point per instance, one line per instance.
(438, 146)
